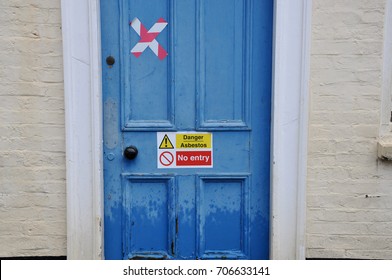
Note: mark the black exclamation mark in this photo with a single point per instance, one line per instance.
(166, 143)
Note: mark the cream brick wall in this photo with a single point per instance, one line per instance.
(349, 190)
(32, 137)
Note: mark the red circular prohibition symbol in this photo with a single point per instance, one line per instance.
(166, 158)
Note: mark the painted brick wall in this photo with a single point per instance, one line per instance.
(32, 137)
(349, 190)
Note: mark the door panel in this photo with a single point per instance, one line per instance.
(140, 78)
(216, 78)
(222, 43)
(149, 211)
(223, 208)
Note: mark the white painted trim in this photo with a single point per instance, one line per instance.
(290, 128)
(83, 113)
(83, 95)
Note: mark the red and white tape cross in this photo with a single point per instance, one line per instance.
(147, 38)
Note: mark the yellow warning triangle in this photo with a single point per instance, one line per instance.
(166, 143)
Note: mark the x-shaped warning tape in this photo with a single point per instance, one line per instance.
(147, 38)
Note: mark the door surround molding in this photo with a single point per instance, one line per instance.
(83, 122)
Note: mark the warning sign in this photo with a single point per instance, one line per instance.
(166, 158)
(184, 150)
(193, 158)
(166, 143)
(193, 141)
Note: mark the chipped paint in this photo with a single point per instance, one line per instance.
(111, 124)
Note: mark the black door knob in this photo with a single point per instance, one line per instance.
(130, 152)
(110, 60)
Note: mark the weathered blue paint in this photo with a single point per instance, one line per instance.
(217, 78)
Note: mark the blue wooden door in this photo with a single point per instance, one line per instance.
(177, 67)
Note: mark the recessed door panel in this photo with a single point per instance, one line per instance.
(223, 49)
(148, 211)
(147, 91)
(223, 217)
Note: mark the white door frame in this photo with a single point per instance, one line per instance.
(83, 111)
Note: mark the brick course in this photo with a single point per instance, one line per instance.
(32, 133)
(349, 194)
